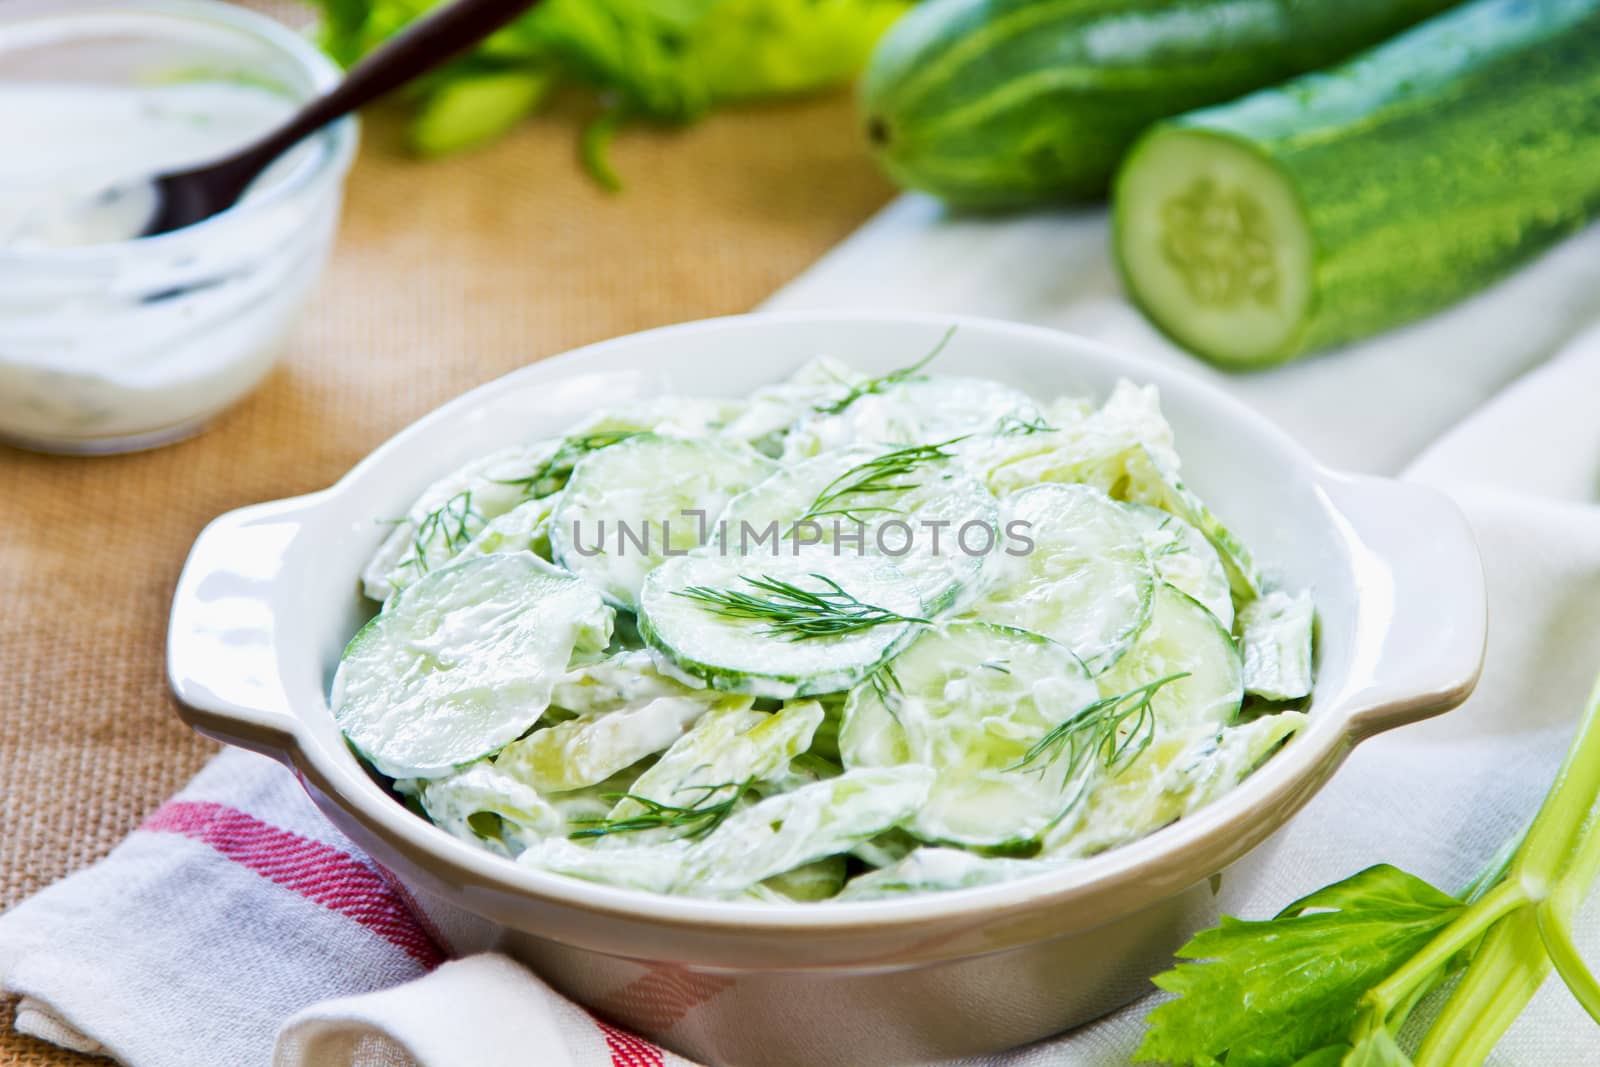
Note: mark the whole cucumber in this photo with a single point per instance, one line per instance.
(1008, 103)
(1346, 202)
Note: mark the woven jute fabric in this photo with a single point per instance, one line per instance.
(446, 274)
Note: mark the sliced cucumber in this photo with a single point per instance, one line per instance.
(491, 808)
(450, 513)
(774, 409)
(1086, 583)
(1182, 638)
(1183, 558)
(1275, 632)
(622, 679)
(740, 655)
(630, 506)
(525, 528)
(932, 870)
(590, 749)
(786, 831)
(916, 411)
(669, 416)
(815, 501)
(970, 700)
(1219, 246)
(817, 880)
(728, 748)
(462, 662)
(1190, 712)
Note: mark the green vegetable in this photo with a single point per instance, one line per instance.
(1007, 103)
(660, 60)
(1346, 202)
(1331, 979)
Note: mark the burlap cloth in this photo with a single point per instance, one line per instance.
(447, 274)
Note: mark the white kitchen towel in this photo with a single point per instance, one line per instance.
(237, 914)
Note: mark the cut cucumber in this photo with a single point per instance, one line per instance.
(935, 499)
(583, 751)
(1183, 558)
(727, 749)
(740, 655)
(462, 662)
(817, 880)
(668, 416)
(632, 505)
(786, 831)
(916, 411)
(450, 513)
(490, 808)
(1127, 802)
(1086, 582)
(933, 870)
(1345, 202)
(622, 679)
(1182, 638)
(1275, 632)
(970, 700)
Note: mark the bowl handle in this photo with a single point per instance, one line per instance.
(222, 657)
(1424, 617)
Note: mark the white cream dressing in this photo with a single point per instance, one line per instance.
(106, 337)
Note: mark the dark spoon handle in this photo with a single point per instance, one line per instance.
(422, 46)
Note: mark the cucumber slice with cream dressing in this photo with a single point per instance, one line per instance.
(971, 700)
(744, 655)
(463, 662)
(628, 507)
(1086, 582)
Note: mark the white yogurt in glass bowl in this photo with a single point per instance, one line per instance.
(109, 342)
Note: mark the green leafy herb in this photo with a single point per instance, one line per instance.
(1330, 981)
(453, 523)
(700, 817)
(1116, 728)
(668, 61)
(876, 477)
(795, 613)
(1017, 426)
(553, 473)
(872, 386)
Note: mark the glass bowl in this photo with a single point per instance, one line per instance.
(114, 347)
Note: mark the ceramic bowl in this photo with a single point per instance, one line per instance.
(269, 597)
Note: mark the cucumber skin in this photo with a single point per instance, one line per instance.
(993, 104)
(1423, 182)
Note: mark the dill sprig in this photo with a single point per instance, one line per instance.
(700, 817)
(552, 474)
(875, 477)
(1017, 426)
(452, 522)
(794, 613)
(1104, 729)
(886, 381)
(886, 684)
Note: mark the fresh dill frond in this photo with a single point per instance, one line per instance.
(1117, 729)
(699, 817)
(794, 613)
(886, 684)
(1017, 426)
(454, 522)
(877, 476)
(553, 473)
(998, 665)
(886, 381)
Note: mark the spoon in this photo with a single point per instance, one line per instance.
(176, 199)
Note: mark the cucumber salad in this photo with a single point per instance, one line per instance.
(847, 638)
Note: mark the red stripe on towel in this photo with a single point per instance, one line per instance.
(628, 1050)
(320, 873)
